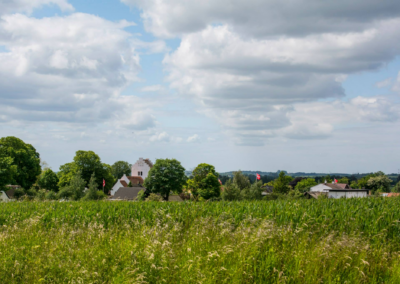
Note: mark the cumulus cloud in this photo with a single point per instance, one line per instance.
(27, 6)
(193, 138)
(69, 69)
(384, 83)
(254, 84)
(261, 18)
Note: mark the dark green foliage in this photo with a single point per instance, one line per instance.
(120, 168)
(19, 192)
(87, 162)
(240, 180)
(48, 180)
(205, 183)
(305, 184)
(253, 192)
(51, 195)
(75, 189)
(231, 191)
(281, 183)
(24, 158)
(166, 176)
(93, 193)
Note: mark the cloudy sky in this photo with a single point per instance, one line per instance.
(300, 85)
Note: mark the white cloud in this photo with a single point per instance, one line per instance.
(396, 85)
(193, 138)
(262, 18)
(384, 83)
(252, 85)
(70, 69)
(10, 6)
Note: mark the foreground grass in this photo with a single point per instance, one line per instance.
(325, 241)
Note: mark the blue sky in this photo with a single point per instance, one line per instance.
(250, 86)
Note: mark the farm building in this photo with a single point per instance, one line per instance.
(325, 187)
(127, 193)
(124, 182)
(338, 193)
(4, 197)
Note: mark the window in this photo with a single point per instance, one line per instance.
(138, 173)
(141, 173)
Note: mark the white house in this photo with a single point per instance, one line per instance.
(124, 182)
(4, 197)
(337, 190)
(325, 187)
(141, 168)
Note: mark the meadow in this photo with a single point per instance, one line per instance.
(282, 241)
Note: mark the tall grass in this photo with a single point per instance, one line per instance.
(303, 241)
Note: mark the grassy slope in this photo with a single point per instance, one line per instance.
(329, 241)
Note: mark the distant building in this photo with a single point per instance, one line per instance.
(336, 190)
(4, 197)
(141, 168)
(127, 193)
(325, 187)
(267, 189)
(124, 182)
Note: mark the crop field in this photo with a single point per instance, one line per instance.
(283, 241)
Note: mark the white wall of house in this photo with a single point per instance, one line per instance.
(4, 197)
(347, 194)
(320, 188)
(116, 186)
(140, 169)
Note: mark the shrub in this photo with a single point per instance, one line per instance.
(51, 195)
(154, 197)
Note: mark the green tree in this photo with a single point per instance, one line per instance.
(281, 183)
(231, 191)
(120, 168)
(379, 183)
(87, 162)
(343, 180)
(75, 189)
(240, 180)
(7, 169)
(48, 180)
(25, 159)
(305, 184)
(93, 193)
(166, 176)
(205, 182)
(254, 192)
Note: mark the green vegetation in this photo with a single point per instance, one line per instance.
(166, 176)
(87, 163)
(19, 162)
(121, 168)
(204, 183)
(282, 241)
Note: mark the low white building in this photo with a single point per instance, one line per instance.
(124, 182)
(347, 193)
(4, 197)
(141, 168)
(325, 187)
(337, 190)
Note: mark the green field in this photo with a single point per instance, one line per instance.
(303, 241)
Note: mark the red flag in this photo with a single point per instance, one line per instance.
(104, 183)
(220, 181)
(258, 177)
(335, 180)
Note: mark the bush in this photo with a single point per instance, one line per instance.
(41, 194)
(141, 196)
(51, 195)
(19, 192)
(154, 197)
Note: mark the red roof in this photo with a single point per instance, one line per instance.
(135, 180)
(124, 184)
(338, 185)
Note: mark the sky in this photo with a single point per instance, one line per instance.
(263, 85)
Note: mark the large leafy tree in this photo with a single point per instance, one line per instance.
(380, 183)
(281, 183)
(205, 181)
(166, 176)
(120, 168)
(48, 180)
(25, 159)
(305, 184)
(87, 163)
(7, 169)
